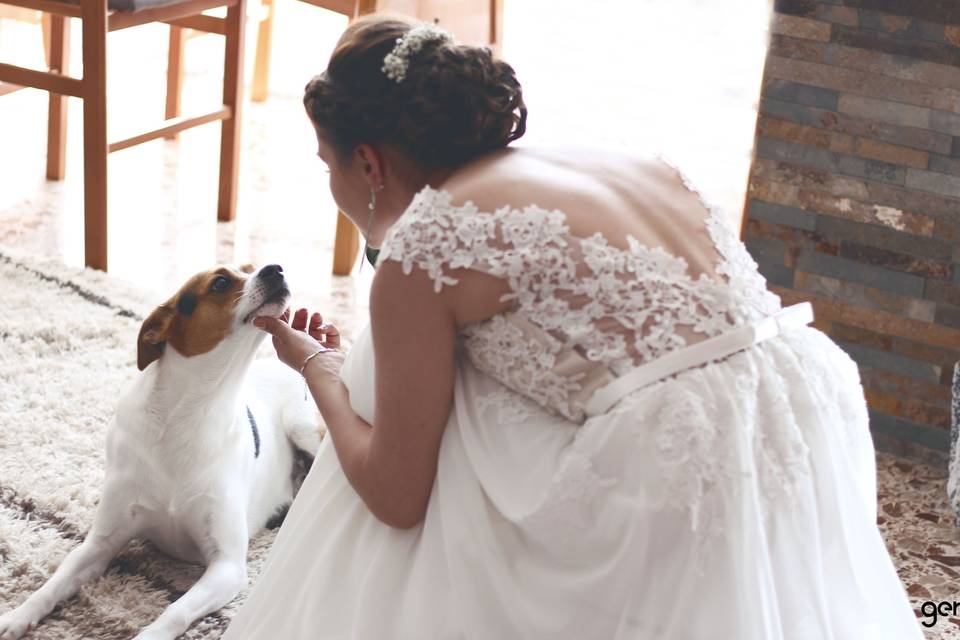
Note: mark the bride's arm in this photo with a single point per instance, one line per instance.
(393, 464)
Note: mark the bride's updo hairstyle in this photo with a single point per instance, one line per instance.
(453, 103)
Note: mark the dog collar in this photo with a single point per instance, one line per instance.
(256, 434)
(371, 254)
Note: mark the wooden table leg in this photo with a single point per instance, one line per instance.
(94, 20)
(232, 98)
(59, 61)
(346, 245)
(261, 67)
(174, 75)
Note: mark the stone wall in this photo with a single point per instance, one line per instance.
(854, 196)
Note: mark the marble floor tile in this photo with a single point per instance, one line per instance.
(922, 536)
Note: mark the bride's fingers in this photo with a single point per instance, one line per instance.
(332, 334)
(316, 321)
(300, 319)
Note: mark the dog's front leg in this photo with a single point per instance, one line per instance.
(219, 584)
(112, 529)
(80, 566)
(223, 538)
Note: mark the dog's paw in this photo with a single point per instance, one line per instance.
(152, 634)
(14, 624)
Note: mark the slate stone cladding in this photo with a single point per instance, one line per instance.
(854, 196)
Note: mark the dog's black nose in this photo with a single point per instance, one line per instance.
(271, 271)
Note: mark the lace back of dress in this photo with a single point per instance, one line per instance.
(579, 301)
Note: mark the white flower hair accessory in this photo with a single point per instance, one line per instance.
(396, 62)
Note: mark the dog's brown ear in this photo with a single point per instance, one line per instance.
(247, 268)
(153, 335)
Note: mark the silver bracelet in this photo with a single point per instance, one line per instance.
(309, 357)
(306, 389)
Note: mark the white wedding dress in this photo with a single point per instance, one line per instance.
(735, 500)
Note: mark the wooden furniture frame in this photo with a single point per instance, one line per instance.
(34, 17)
(96, 22)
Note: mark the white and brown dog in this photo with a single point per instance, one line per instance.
(200, 453)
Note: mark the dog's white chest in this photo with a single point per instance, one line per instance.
(171, 535)
(175, 521)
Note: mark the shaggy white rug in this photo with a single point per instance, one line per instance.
(67, 349)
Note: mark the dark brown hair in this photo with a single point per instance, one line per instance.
(455, 103)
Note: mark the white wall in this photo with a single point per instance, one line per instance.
(681, 77)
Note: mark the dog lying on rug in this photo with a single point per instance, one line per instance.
(201, 451)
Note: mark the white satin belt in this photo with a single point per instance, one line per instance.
(702, 352)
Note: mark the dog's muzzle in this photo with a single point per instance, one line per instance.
(272, 286)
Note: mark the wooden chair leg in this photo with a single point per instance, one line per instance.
(59, 61)
(232, 98)
(174, 74)
(261, 67)
(46, 24)
(496, 26)
(346, 245)
(346, 242)
(95, 132)
(363, 7)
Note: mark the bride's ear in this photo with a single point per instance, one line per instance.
(371, 163)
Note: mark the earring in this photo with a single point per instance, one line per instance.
(373, 207)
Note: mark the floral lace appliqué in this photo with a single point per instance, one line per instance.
(565, 510)
(502, 350)
(619, 307)
(507, 406)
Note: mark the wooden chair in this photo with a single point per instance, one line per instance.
(97, 19)
(32, 17)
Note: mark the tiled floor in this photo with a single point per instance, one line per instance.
(628, 74)
(922, 537)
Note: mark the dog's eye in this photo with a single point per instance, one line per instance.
(220, 284)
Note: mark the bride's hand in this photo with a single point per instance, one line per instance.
(324, 333)
(297, 341)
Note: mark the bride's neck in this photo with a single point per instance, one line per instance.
(394, 200)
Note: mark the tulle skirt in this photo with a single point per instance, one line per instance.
(732, 500)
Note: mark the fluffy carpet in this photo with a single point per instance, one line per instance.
(67, 349)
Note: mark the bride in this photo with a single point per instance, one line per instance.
(577, 411)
